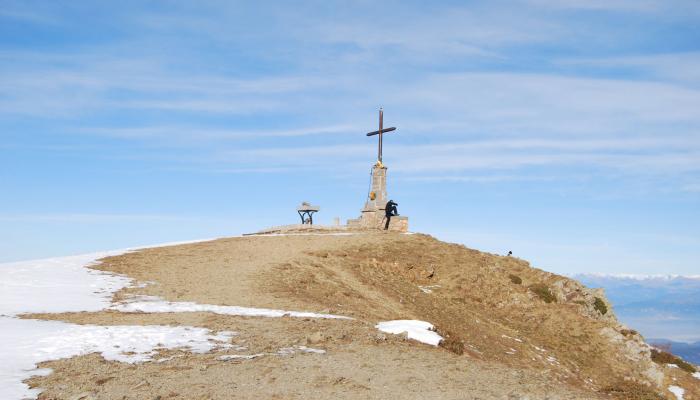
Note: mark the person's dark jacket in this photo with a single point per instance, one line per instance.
(390, 209)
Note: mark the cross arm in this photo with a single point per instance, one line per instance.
(393, 128)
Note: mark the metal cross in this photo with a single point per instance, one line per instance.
(380, 132)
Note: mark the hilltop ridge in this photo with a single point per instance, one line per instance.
(509, 330)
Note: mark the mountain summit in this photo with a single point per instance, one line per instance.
(386, 315)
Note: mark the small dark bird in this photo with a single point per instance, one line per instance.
(510, 253)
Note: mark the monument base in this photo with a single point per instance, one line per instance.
(377, 220)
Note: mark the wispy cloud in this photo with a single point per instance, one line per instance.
(691, 187)
(36, 14)
(615, 5)
(204, 133)
(680, 67)
(632, 155)
(82, 218)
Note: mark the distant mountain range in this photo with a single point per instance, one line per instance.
(663, 307)
(688, 351)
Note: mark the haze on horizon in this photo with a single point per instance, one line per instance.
(565, 131)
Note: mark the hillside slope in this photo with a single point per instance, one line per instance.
(511, 331)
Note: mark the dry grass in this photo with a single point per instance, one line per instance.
(477, 304)
(542, 291)
(629, 332)
(662, 357)
(631, 391)
(451, 342)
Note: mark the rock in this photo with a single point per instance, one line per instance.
(635, 350)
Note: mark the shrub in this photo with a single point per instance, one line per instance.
(600, 306)
(515, 279)
(454, 345)
(631, 391)
(451, 342)
(542, 291)
(663, 357)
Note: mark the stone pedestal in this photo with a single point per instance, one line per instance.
(374, 212)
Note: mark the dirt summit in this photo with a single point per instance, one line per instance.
(510, 331)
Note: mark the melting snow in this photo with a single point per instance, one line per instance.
(310, 350)
(552, 360)
(26, 343)
(151, 304)
(428, 289)
(512, 338)
(678, 391)
(417, 330)
(229, 357)
(696, 375)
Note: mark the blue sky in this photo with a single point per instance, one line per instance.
(565, 131)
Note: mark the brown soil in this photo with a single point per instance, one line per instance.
(502, 339)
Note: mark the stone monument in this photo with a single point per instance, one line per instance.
(374, 212)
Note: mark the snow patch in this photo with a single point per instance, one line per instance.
(512, 338)
(311, 350)
(428, 289)
(230, 357)
(696, 375)
(677, 390)
(417, 330)
(152, 304)
(25, 343)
